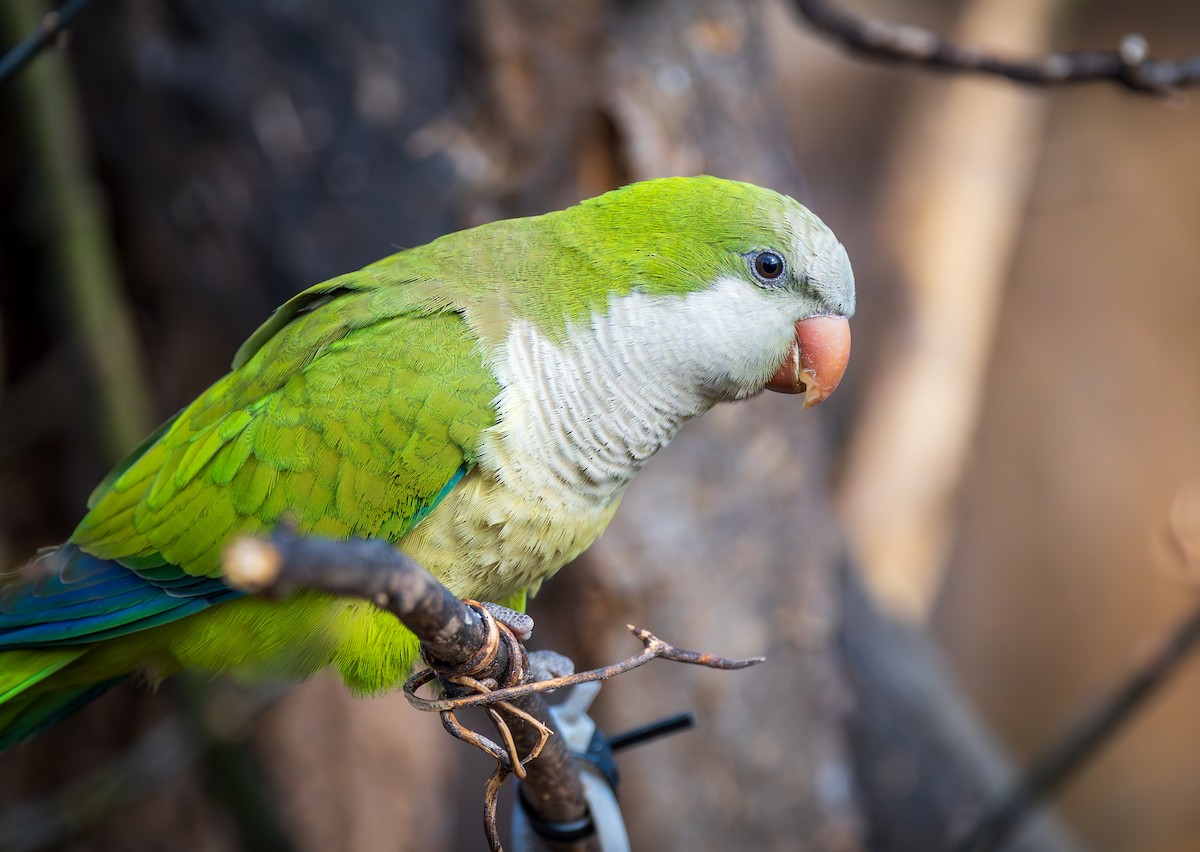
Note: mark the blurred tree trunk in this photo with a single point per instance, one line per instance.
(952, 201)
(250, 149)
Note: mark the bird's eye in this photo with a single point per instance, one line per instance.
(768, 266)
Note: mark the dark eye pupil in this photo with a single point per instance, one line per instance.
(768, 265)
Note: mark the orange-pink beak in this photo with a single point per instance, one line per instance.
(817, 359)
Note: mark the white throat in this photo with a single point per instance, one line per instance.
(578, 419)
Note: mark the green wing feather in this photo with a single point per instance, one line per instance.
(350, 411)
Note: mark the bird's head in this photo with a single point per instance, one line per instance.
(754, 283)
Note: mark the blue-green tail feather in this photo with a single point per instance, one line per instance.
(69, 597)
(30, 713)
(59, 607)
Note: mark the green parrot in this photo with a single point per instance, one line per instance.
(482, 402)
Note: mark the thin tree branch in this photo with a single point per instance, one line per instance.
(52, 26)
(475, 652)
(1129, 65)
(463, 640)
(151, 764)
(652, 648)
(80, 246)
(1082, 740)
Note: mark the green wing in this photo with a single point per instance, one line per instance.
(352, 411)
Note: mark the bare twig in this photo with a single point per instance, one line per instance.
(471, 649)
(1096, 727)
(491, 798)
(653, 648)
(1082, 740)
(510, 699)
(53, 25)
(1129, 65)
(151, 763)
(552, 787)
(465, 642)
(80, 247)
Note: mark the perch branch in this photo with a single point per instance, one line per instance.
(1129, 65)
(469, 647)
(371, 569)
(474, 651)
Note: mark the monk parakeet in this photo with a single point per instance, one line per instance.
(482, 401)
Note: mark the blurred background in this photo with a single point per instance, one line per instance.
(969, 544)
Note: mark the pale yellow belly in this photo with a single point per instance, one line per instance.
(486, 542)
(483, 541)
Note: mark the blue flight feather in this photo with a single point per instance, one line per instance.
(81, 598)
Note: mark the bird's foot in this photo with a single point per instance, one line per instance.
(519, 623)
(544, 665)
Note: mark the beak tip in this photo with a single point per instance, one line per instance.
(817, 360)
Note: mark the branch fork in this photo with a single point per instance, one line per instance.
(474, 650)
